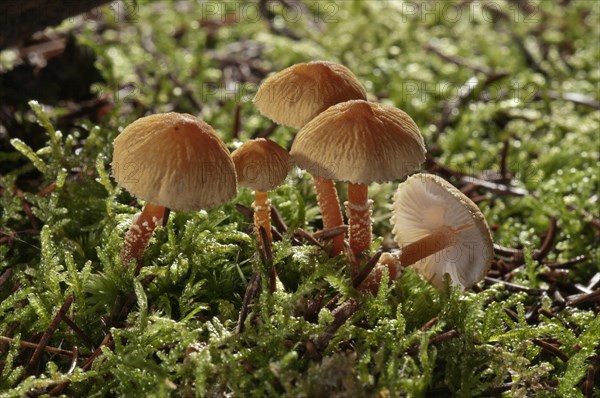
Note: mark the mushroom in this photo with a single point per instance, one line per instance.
(295, 96)
(173, 161)
(360, 142)
(261, 165)
(440, 231)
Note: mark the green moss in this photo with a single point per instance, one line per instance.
(178, 339)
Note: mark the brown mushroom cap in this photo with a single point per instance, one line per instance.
(174, 160)
(261, 164)
(423, 204)
(297, 94)
(360, 142)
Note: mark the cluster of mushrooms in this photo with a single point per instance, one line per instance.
(177, 162)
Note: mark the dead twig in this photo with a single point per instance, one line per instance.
(568, 263)
(588, 385)
(514, 286)
(330, 233)
(252, 290)
(268, 257)
(364, 273)
(237, 122)
(340, 315)
(5, 276)
(301, 234)
(37, 354)
(246, 211)
(577, 299)
(548, 241)
(278, 222)
(29, 344)
(429, 324)
(77, 330)
(459, 60)
(435, 340)
(106, 342)
(551, 349)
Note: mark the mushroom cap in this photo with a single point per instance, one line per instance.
(297, 94)
(360, 142)
(424, 203)
(261, 164)
(174, 160)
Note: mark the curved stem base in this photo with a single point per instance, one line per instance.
(140, 232)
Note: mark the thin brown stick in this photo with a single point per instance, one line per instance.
(330, 233)
(340, 315)
(459, 60)
(429, 324)
(5, 276)
(246, 211)
(588, 385)
(268, 256)
(27, 209)
(29, 344)
(548, 241)
(278, 222)
(511, 314)
(364, 273)
(435, 340)
(577, 299)
(568, 263)
(514, 286)
(307, 237)
(549, 314)
(551, 349)
(237, 122)
(108, 342)
(37, 354)
(266, 132)
(77, 330)
(252, 290)
(47, 189)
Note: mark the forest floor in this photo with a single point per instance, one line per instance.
(506, 96)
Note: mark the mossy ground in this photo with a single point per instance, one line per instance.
(506, 95)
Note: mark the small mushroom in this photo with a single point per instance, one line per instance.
(441, 231)
(360, 142)
(261, 165)
(173, 161)
(295, 96)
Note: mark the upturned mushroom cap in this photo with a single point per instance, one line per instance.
(174, 160)
(261, 164)
(423, 204)
(359, 142)
(297, 94)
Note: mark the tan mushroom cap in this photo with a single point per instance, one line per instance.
(360, 142)
(423, 204)
(297, 94)
(174, 160)
(261, 164)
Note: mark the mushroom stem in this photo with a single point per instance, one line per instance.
(442, 238)
(358, 211)
(140, 232)
(262, 214)
(330, 210)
